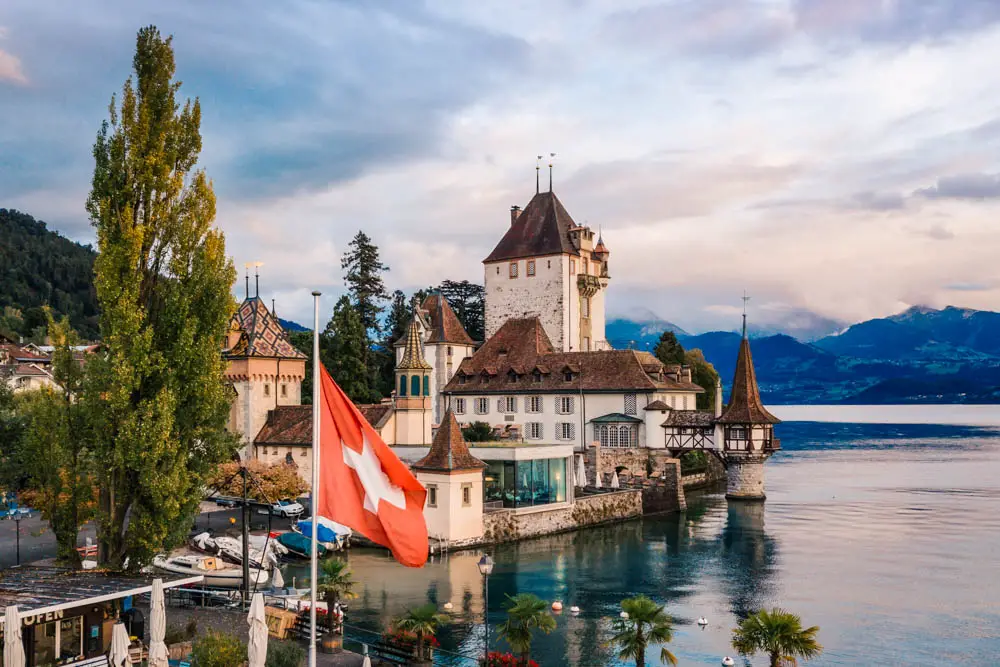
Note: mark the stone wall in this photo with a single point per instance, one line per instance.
(543, 294)
(613, 506)
(745, 477)
(640, 462)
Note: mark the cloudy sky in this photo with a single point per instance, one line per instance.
(837, 159)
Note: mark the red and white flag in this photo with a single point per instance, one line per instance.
(363, 484)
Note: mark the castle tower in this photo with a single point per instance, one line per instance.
(546, 265)
(748, 431)
(262, 366)
(454, 481)
(413, 391)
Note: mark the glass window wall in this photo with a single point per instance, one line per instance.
(525, 483)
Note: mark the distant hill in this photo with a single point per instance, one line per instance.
(641, 331)
(290, 326)
(39, 267)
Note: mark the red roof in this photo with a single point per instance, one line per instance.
(448, 451)
(444, 323)
(541, 229)
(745, 406)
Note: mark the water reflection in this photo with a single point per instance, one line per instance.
(748, 556)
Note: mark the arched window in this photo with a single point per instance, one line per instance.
(612, 436)
(427, 385)
(402, 385)
(415, 385)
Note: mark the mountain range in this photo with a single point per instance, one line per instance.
(922, 355)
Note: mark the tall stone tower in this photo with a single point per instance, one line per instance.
(263, 367)
(549, 266)
(748, 431)
(413, 391)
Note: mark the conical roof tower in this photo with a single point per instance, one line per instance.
(745, 406)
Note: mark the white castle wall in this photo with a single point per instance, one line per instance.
(544, 294)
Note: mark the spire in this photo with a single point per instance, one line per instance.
(745, 406)
(552, 157)
(448, 450)
(746, 299)
(538, 170)
(413, 356)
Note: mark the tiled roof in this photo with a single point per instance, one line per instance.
(657, 405)
(287, 425)
(14, 351)
(615, 418)
(519, 358)
(745, 406)
(377, 414)
(541, 229)
(444, 324)
(700, 418)
(413, 354)
(448, 450)
(262, 335)
(30, 369)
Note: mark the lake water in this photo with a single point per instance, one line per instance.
(886, 534)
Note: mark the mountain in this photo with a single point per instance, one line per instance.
(640, 331)
(38, 267)
(290, 326)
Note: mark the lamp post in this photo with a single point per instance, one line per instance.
(486, 569)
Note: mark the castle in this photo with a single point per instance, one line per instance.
(565, 412)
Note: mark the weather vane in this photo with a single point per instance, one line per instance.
(746, 299)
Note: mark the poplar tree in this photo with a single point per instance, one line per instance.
(163, 284)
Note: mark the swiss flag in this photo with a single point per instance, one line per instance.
(363, 484)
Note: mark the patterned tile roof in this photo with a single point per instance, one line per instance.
(541, 229)
(261, 334)
(519, 358)
(448, 450)
(444, 324)
(745, 406)
(413, 353)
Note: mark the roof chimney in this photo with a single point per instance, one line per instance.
(515, 212)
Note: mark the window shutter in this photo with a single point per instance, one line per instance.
(500, 405)
(572, 430)
(513, 401)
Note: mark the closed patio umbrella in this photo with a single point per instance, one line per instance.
(277, 581)
(13, 647)
(614, 480)
(257, 642)
(158, 655)
(597, 478)
(581, 472)
(118, 653)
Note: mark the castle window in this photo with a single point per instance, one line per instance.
(536, 376)
(427, 385)
(265, 451)
(288, 458)
(572, 267)
(402, 385)
(566, 405)
(511, 376)
(630, 404)
(284, 391)
(550, 263)
(533, 430)
(449, 350)
(685, 402)
(507, 404)
(568, 376)
(267, 390)
(462, 378)
(482, 406)
(459, 406)
(533, 404)
(467, 495)
(531, 267)
(303, 452)
(415, 385)
(498, 270)
(432, 495)
(566, 431)
(585, 306)
(513, 269)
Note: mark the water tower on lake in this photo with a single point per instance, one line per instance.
(747, 431)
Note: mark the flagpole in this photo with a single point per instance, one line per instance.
(314, 495)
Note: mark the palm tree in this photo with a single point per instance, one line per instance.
(335, 583)
(646, 623)
(422, 621)
(777, 633)
(525, 612)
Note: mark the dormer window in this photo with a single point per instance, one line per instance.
(462, 378)
(568, 376)
(511, 376)
(536, 376)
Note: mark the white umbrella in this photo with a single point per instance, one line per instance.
(367, 661)
(118, 654)
(581, 472)
(597, 479)
(257, 643)
(158, 654)
(277, 581)
(614, 480)
(13, 647)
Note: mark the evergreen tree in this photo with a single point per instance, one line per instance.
(343, 355)
(163, 285)
(669, 350)
(363, 276)
(704, 375)
(468, 300)
(303, 342)
(395, 326)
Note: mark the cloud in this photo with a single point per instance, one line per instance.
(963, 186)
(11, 70)
(972, 286)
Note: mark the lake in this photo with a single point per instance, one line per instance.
(882, 526)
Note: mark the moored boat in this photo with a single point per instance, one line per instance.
(298, 545)
(216, 573)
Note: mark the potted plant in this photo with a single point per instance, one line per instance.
(335, 584)
(420, 623)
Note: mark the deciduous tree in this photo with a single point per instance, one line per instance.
(270, 482)
(163, 284)
(704, 375)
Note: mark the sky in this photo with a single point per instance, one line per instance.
(835, 159)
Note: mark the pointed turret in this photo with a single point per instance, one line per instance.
(413, 391)
(413, 354)
(449, 453)
(745, 406)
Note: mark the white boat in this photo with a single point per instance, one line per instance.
(217, 574)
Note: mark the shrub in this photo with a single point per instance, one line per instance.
(285, 654)
(498, 659)
(218, 650)
(478, 432)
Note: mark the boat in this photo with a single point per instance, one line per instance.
(217, 574)
(331, 534)
(298, 545)
(263, 552)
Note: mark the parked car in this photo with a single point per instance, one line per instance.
(287, 508)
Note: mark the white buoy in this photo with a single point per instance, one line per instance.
(557, 606)
(728, 662)
(702, 621)
(575, 609)
(624, 614)
(448, 606)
